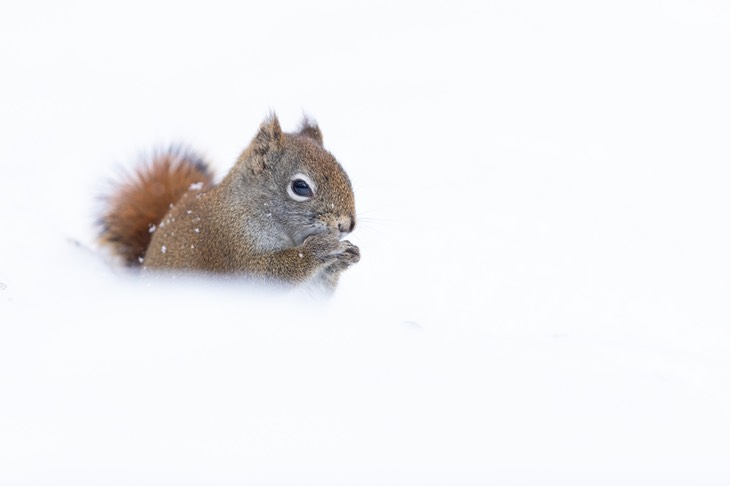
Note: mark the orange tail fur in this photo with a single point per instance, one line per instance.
(140, 201)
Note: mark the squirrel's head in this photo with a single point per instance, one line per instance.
(297, 182)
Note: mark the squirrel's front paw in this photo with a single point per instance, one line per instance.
(349, 256)
(328, 249)
(323, 247)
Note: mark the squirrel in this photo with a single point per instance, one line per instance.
(280, 214)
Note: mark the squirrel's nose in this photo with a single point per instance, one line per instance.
(346, 224)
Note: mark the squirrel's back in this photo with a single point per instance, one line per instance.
(140, 201)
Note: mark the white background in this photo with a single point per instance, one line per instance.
(543, 292)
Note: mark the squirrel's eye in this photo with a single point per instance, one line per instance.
(301, 188)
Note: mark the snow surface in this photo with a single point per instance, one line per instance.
(543, 292)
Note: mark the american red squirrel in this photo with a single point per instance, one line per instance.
(279, 214)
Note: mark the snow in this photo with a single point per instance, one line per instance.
(542, 213)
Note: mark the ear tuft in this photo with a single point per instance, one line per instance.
(269, 137)
(310, 129)
(267, 140)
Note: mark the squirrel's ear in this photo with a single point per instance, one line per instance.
(309, 128)
(269, 136)
(268, 139)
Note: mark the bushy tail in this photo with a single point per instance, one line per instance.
(142, 199)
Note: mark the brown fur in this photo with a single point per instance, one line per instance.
(139, 203)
